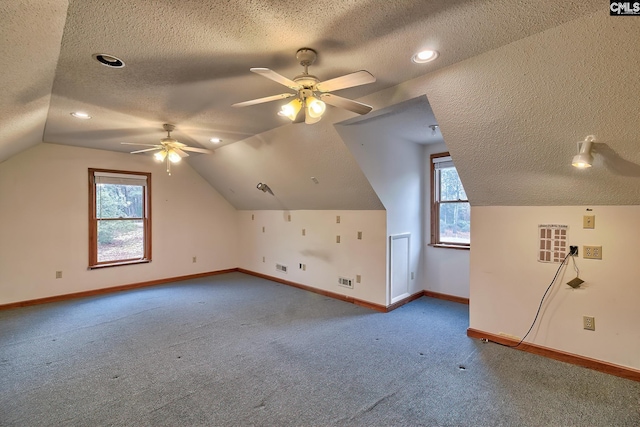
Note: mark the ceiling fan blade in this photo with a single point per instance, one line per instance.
(350, 80)
(180, 152)
(278, 78)
(146, 149)
(347, 104)
(143, 145)
(197, 150)
(265, 99)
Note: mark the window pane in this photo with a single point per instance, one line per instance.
(120, 240)
(119, 201)
(455, 221)
(450, 185)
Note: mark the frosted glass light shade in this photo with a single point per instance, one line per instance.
(174, 157)
(315, 107)
(160, 155)
(291, 109)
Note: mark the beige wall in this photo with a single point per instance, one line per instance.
(282, 242)
(44, 223)
(507, 281)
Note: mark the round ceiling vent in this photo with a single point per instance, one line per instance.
(108, 60)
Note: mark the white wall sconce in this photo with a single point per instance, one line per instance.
(584, 159)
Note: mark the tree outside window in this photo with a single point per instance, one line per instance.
(451, 212)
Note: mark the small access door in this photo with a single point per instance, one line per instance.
(399, 246)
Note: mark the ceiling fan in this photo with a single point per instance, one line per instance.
(312, 94)
(170, 149)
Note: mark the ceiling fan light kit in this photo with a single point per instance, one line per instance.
(291, 109)
(311, 94)
(169, 149)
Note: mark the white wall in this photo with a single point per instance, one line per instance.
(44, 223)
(395, 169)
(446, 271)
(282, 242)
(507, 282)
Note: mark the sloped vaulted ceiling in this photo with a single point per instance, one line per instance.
(188, 61)
(30, 34)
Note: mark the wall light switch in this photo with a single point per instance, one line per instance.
(589, 221)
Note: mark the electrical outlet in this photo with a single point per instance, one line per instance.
(338, 219)
(252, 217)
(263, 259)
(303, 267)
(263, 229)
(412, 276)
(337, 239)
(589, 221)
(573, 250)
(589, 323)
(288, 218)
(194, 259)
(58, 274)
(358, 278)
(592, 252)
(304, 232)
(359, 235)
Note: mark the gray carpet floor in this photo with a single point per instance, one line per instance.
(236, 350)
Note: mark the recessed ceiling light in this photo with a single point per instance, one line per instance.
(216, 140)
(108, 60)
(80, 115)
(425, 56)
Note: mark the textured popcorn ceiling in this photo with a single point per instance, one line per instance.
(188, 61)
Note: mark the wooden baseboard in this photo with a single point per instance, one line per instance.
(356, 301)
(405, 301)
(446, 297)
(340, 297)
(574, 359)
(101, 291)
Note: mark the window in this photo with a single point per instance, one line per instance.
(450, 210)
(119, 218)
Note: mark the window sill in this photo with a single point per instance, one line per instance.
(118, 263)
(443, 245)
